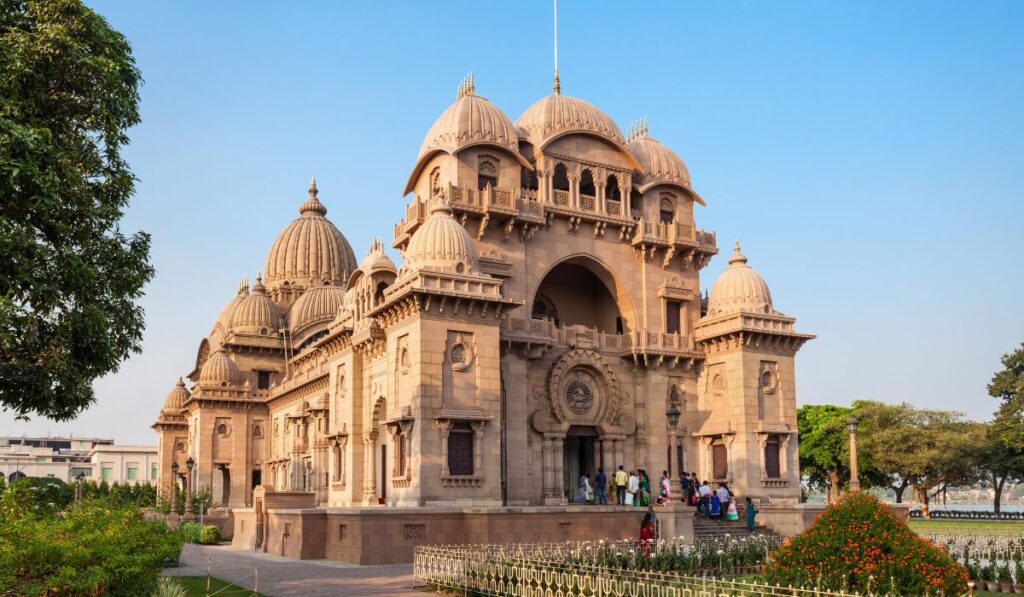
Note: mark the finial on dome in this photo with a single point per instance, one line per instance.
(557, 85)
(737, 256)
(258, 287)
(441, 205)
(376, 246)
(312, 206)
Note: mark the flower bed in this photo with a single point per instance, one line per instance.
(967, 515)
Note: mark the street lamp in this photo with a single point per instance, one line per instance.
(188, 485)
(174, 487)
(851, 426)
(672, 414)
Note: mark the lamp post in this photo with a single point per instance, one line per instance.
(851, 426)
(672, 414)
(174, 488)
(188, 485)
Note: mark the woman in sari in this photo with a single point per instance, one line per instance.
(645, 489)
(664, 488)
(583, 490)
(646, 535)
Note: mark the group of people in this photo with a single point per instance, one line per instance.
(633, 488)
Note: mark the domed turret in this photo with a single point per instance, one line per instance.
(658, 163)
(309, 252)
(739, 288)
(470, 121)
(256, 313)
(316, 305)
(441, 243)
(376, 260)
(178, 395)
(225, 313)
(219, 370)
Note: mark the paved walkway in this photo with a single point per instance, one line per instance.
(282, 576)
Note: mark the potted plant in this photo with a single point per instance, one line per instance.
(986, 575)
(1018, 575)
(1005, 577)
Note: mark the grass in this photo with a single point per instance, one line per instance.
(196, 587)
(968, 527)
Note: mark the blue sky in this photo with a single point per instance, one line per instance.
(866, 154)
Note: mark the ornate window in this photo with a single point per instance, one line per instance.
(611, 191)
(560, 181)
(458, 354)
(768, 381)
(667, 210)
(771, 459)
(257, 431)
(487, 173)
(435, 183)
(672, 319)
(222, 429)
(460, 450)
(718, 384)
(587, 184)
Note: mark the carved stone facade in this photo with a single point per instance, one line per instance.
(545, 316)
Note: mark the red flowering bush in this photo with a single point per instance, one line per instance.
(859, 545)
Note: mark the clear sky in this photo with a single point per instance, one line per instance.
(868, 155)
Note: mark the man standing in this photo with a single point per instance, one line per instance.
(723, 498)
(704, 505)
(620, 485)
(632, 488)
(601, 481)
(684, 487)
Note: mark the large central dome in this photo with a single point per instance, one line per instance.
(310, 252)
(557, 115)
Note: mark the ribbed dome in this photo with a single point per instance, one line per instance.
(310, 251)
(739, 288)
(376, 260)
(219, 369)
(225, 313)
(441, 243)
(255, 313)
(470, 120)
(316, 305)
(177, 396)
(658, 162)
(557, 114)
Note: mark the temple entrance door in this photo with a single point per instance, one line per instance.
(578, 457)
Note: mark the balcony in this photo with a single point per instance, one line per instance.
(674, 233)
(545, 332)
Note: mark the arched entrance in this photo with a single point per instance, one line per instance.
(579, 456)
(581, 291)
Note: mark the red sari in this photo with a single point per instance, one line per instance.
(646, 539)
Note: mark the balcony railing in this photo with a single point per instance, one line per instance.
(668, 233)
(545, 330)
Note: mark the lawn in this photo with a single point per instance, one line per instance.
(196, 587)
(968, 527)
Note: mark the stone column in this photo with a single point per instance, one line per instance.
(607, 450)
(546, 464)
(478, 447)
(620, 456)
(342, 444)
(370, 469)
(559, 484)
(444, 427)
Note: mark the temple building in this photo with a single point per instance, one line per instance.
(544, 319)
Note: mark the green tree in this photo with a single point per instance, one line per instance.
(70, 279)
(824, 446)
(996, 463)
(1008, 384)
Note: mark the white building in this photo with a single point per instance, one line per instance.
(124, 464)
(59, 457)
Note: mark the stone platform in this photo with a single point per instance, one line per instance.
(388, 535)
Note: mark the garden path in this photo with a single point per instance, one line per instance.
(280, 577)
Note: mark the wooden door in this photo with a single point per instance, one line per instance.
(771, 460)
(720, 461)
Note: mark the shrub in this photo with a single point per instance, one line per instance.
(204, 534)
(858, 545)
(168, 587)
(91, 548)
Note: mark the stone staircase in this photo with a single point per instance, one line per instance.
(704, 528)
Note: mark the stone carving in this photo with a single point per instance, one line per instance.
(414, 533)
(579, 396)
(604, 386)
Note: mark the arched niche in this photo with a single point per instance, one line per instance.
(585, 292)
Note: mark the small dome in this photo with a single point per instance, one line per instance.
(376, 260)
(225, 313)
(178, 395)
(658, 162)
(558, 114)
(441, 243)
(256, 313)
(316, 305)
(219, 370)
(471, 120)
(310, 251)
(739, 288)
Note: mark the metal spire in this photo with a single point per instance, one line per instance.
(557, 83)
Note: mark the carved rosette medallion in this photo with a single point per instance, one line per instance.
(579, 396)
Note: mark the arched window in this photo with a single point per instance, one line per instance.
(528, 179)
(378, 295)
(587, 184)
(612, 192)
(636, 201)
(667, 211)
(486, 174)
(435, 182)
(560, 182)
